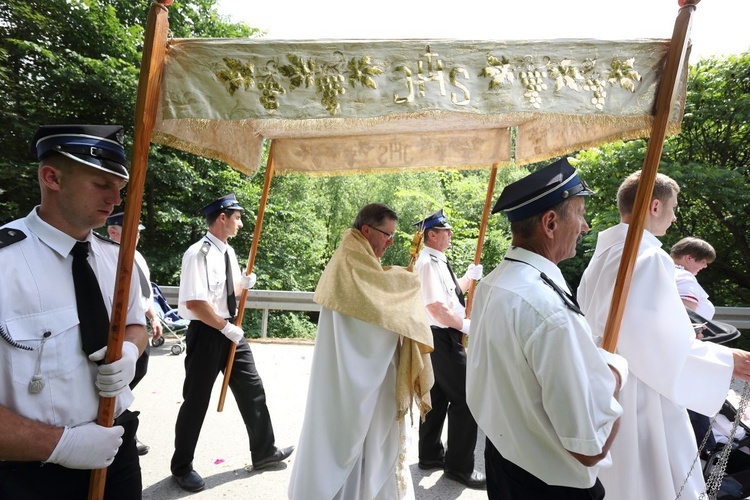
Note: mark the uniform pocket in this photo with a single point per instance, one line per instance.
(216, 282)
(62, 343)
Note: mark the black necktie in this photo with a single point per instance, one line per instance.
(459, 293)
(92, 313)
(231, 299)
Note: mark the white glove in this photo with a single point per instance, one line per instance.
(248, 281)
(465, 327)
(474, 272)
(88, 446)
(113, 378)
(618, 363)
(233, 332)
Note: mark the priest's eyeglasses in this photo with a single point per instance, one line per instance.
(388, 236)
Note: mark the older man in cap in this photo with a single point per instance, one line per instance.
(671, 370)
(55, 304)
(540, 389)
(210, 280)
(443, 297)
(114, 230)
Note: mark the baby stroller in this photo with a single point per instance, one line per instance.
(736, 480)
(171, 322)
(716, 432)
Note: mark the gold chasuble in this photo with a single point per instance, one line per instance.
(355, 284)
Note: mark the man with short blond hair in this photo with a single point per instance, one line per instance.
(670, 370)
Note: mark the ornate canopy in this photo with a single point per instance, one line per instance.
(333, 106)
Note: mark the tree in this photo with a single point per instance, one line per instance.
(77, 61)
(710, 159)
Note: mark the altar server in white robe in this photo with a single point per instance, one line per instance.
(670, 370)
(371, 361)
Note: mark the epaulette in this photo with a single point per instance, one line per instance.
(106, 238)
(205, 248)
(434, 258)
(10, 235)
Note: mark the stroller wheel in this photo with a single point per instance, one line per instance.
(176, 349)
(158, 342)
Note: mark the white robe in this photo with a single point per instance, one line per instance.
(350, 442)
(669, 371)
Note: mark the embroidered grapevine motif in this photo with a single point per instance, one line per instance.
(538, 78)
(327, 77)
(236, 75)
(564, 74)
(270, 86)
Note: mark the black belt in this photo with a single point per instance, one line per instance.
(448, 329)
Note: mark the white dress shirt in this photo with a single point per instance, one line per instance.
(42, 335)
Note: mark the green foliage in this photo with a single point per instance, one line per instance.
(281, 324)
(710, 159)
(78, 61)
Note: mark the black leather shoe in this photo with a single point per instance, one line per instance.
(277, 456)
(192, 481)
(142, 448)
(474, 480)
(438, 463)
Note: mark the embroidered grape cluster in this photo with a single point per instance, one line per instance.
(270, 89)
(533, 81)
(330, 87)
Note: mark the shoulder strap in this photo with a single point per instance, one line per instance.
(10, 235)
(106, 238)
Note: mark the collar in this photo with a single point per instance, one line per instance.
(616, 235)
(220, 245)
(543, 264)
(53, 237)
(555, 281)
(437, 253)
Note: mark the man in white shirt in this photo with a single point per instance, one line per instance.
(443, 297)
(209, 282)
(53, 330)
(114, 230)
(540, 389)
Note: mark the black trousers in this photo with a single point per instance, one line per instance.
(449, 399)
(141, 366)
(507, 481)
(206, 356)
(37, 481)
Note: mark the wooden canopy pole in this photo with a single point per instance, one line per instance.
(482, 231)
(676, 62)
(250, 264)
(149, 86)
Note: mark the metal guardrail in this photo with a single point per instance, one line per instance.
(265, 300)
(739, 317)
(276, 300)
